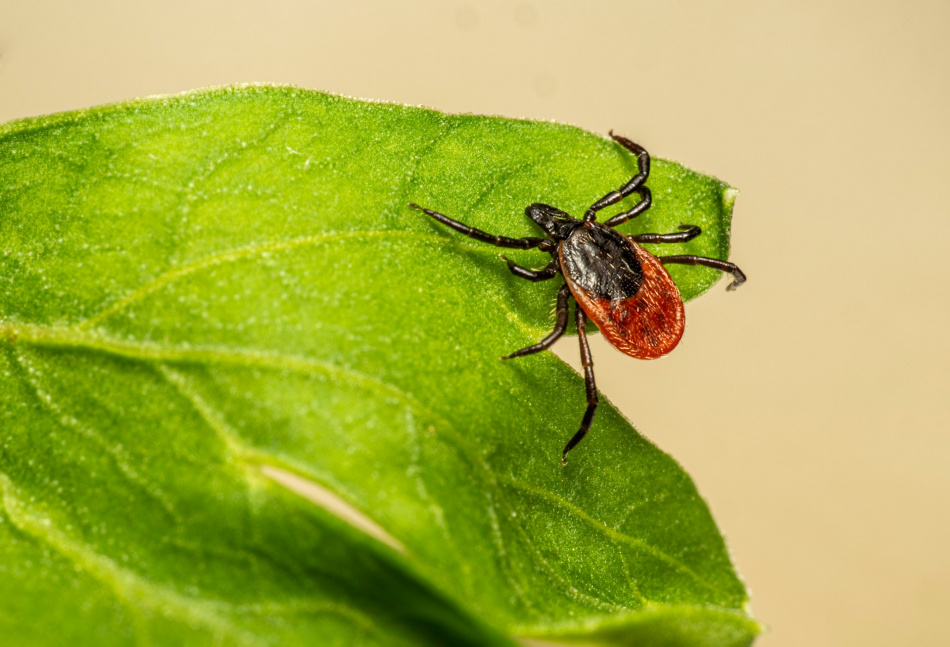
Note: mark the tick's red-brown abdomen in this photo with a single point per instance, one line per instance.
(648, 324)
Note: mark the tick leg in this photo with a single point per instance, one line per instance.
(646, 199)
(550, 271)
(592, 400)
(559, 327)
(689, 233)
(478, 234)
(738, 277)
(643, 164)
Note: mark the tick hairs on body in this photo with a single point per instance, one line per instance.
(613, 280)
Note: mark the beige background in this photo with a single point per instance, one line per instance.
(811, 406)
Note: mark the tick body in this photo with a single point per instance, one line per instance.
(624, 289)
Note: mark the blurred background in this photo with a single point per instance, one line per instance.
(812, 407)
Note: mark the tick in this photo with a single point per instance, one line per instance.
(624, 289)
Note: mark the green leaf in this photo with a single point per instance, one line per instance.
(211, 301)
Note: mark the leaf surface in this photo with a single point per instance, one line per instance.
(209, 302)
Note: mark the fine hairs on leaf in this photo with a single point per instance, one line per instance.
(249, 397)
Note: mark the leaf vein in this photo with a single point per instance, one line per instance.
(129, 587)
(612, 532)
(119, 458)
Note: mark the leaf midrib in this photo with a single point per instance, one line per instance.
(259, 249)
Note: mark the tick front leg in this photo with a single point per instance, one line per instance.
(643, 164)
(559, 326)
(478, 234)
(738, 277)
(646, 199)
(550, 271)
(689, 233)
(588, 362)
